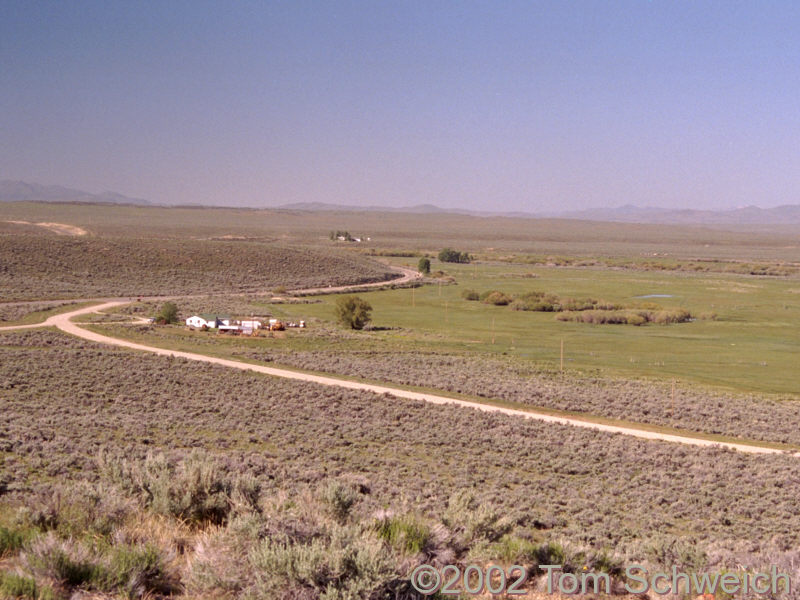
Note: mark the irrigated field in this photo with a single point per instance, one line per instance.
(745, 337)
(64, 401)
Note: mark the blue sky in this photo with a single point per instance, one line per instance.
(535, 106)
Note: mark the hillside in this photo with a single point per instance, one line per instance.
(45, 267)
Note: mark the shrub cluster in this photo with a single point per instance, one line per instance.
(536, 301)
(391, 252)
(581, 310)
(496, 298)
(195, 491)
(317, 541)
(454, 256)
(626, 317)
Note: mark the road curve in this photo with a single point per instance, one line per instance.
(63, 322)
(408, 275)
(53, 321)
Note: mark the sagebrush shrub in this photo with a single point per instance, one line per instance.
(471, 522)
(136, 571)
(218, 565)
(77, 508)
(347, 563)
(667, 551)
(196, 490)
(339, 497)
(64, 562)
(552, 553)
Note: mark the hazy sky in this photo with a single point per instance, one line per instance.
(530, 106)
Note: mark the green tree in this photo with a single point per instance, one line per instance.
(454, 256)
(353, 312)
(168, 314)
(424, 265)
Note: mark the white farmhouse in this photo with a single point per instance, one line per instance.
(196, 321)
(210, 321)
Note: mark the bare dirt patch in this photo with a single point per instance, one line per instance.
(59, 228)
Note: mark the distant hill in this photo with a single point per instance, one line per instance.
(20, 191)
(416, 209)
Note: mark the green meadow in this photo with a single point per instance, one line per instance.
(751, 345)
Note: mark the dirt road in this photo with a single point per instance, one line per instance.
(408, 275)
(63, 322)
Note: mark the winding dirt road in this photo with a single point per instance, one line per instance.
(64, 323)
(408, 275)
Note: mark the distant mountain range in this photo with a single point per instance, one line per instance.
(19, 191)
(789, 214)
